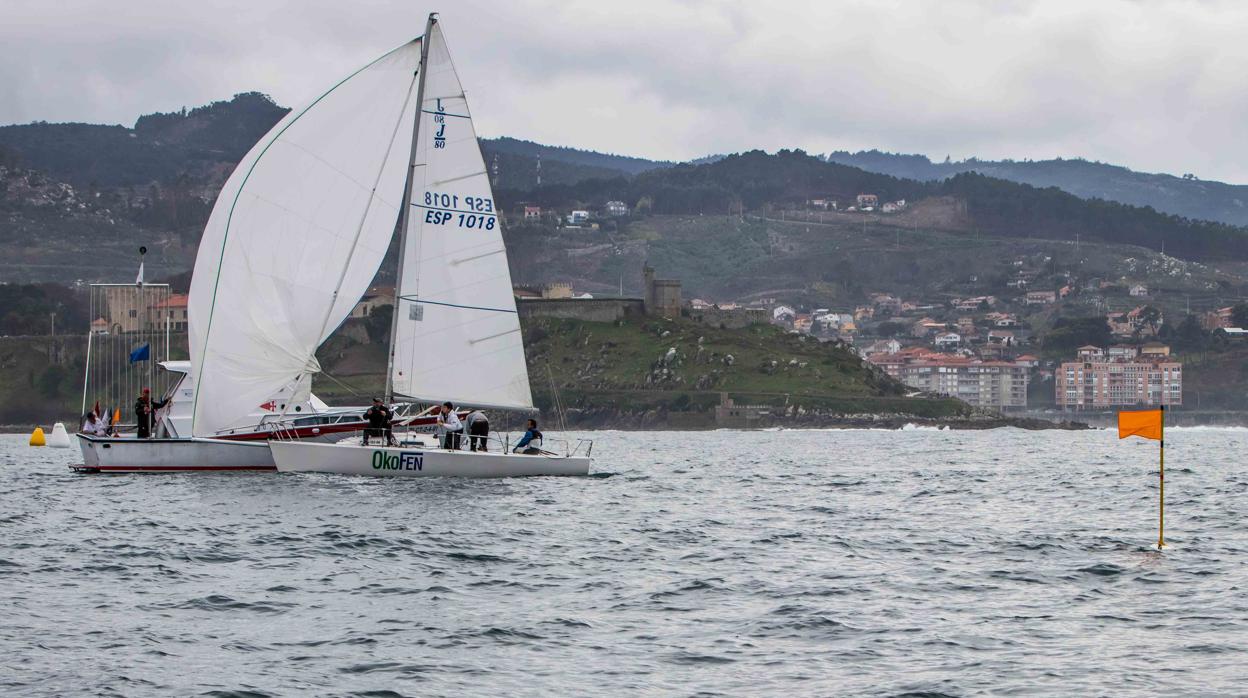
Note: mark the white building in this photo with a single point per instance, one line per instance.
(616, 208)
(578, 217)
(947, 340)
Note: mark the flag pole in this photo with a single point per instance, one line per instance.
(1161, 483)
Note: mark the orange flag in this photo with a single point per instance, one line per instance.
(1145, 423)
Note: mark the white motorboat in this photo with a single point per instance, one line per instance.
(106, 454)
(295, 414)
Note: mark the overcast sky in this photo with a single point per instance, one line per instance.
(1157, 86)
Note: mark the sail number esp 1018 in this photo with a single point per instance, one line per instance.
(444, 209)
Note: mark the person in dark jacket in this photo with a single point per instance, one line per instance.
(478, 430)
(145, 413)
(531, 434)
(378, 417)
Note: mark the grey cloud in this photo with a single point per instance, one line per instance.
(1152, 85)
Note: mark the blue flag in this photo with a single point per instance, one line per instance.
(143, 353)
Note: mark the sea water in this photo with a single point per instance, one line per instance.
(713, 563)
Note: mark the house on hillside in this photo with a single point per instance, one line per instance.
(947, 340)
(886, 302)
(616, 208)
(1003, 338)
(926, 327)
(532, 213)
(975, 303)
(1138, 291)
(882, 346)
(1041, 297)
(1217, 319)
(1089, 352)
(868, 201)
(1128, 323)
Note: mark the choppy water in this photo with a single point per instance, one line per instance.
(735, 563)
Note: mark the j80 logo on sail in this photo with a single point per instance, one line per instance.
(407, 460)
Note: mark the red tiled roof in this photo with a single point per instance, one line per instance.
(177, 300)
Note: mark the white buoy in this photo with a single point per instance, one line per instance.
(59, 437)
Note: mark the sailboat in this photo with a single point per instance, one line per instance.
(312, 211)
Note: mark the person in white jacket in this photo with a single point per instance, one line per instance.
(452, 427)
(94, 426)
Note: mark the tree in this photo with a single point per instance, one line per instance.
(1069, 334)
(1189, 335)
(1239, 314)
(1150, 316)
(49, 382)
(889, 329)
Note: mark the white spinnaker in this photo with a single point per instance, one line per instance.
(296, 236)
(457, 335)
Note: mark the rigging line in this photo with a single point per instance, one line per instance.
(442, 113)
(470, 175)
(344, 385)
(457, 262)
(493, 336)
(413, 299)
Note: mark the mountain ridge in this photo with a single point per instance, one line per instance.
(1185, 196)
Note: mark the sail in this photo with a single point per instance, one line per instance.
(457, 335)
(296, 236)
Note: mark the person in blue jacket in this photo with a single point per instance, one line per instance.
(531, 434)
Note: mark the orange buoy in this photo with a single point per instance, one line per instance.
(37, 438)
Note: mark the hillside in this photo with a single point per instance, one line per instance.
(1183, 196)
(787, 179)
(608, 162)
(926, 252)
(609, 374)
(618, 373)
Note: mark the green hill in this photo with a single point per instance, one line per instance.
(618, 372)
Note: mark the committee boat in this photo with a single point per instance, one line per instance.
(242, 447)
(455, 335)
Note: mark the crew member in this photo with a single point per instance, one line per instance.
(94, 426)
(531, 434)
(145, 413)
(478, 430)
(378, 417)
(452, 428)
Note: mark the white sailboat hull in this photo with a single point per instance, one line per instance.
(354, 459)
(130, 455)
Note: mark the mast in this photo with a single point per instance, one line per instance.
(404, 214)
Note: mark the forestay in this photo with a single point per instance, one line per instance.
(457, 335)
(296, 236)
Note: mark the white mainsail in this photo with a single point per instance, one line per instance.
(296, 236)
(456, 332)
